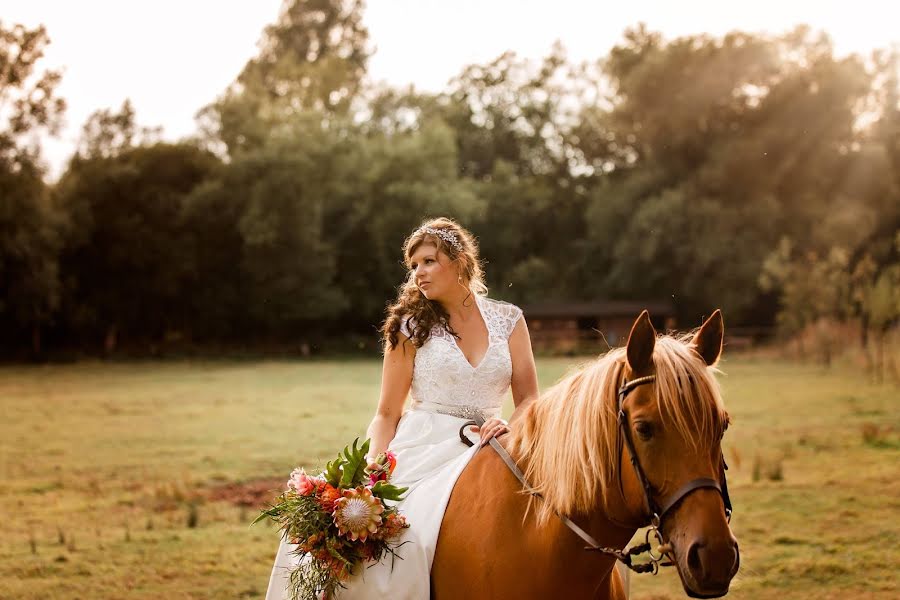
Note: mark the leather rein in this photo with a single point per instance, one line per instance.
(655, 512)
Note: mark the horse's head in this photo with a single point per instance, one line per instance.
(673, 427)
(636, 432)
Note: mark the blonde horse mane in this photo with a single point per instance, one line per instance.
(566, 439)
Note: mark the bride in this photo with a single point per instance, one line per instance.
(456, 353)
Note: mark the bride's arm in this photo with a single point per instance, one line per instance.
(524, 382)
(396, 378)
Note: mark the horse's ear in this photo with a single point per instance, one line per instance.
(641, 342)
(709, 339)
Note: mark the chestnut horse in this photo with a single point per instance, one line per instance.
(499, 541)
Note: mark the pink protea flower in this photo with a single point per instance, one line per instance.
(358, 513)
(302, 483)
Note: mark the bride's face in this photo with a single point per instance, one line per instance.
(433, 272)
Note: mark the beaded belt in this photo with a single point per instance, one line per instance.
(463, 411)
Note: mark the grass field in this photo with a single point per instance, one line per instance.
(125, 480)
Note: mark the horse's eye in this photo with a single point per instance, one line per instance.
(644, 430)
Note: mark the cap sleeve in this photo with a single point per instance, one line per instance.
(509, 315)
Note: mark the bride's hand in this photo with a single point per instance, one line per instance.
(491, 428)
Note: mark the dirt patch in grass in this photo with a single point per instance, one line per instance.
(256, 493)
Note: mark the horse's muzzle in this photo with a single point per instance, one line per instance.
(707, 569)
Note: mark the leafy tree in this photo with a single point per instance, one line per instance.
(876, 301)
(816, 291)
(389, 111)
(509, 110)
(716, 148)
(286, 260)
(313, 58)
(265, 258)
(29, 242)
(29, 227)
(881, 304)
(521, 236)
(107, 133)
(127, 258)
(27, 97)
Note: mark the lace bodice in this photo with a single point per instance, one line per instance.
(444, 381)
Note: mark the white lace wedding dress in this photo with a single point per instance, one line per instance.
(446, 392)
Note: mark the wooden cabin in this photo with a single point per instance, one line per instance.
(590, 327)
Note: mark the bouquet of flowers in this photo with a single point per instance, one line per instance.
(338, 519)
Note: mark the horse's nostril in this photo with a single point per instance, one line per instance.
(737, 559)
(693, 558)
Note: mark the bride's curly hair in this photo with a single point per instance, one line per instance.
(412, 308)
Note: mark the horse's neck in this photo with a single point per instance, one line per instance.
(592, 573)
(564, 551)
(604, 530)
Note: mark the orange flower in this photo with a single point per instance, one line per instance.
(311, 542)
(392, 526)
(392, 461)
(321, 554)
(327, 497)
(338, 568)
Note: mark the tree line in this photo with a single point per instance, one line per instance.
(757, 173)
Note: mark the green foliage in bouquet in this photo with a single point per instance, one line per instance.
(338, 520)
(349, 467)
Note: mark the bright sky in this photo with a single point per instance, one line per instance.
(172, 57)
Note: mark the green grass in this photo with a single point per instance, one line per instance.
(100, 463)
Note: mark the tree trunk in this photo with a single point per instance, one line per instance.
(867, 351)
(36, 340)
(111, 339)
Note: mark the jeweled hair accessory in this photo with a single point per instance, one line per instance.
(444, 234)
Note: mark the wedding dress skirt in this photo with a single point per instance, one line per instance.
(430, 458)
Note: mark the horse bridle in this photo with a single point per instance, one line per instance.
(656, 514)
